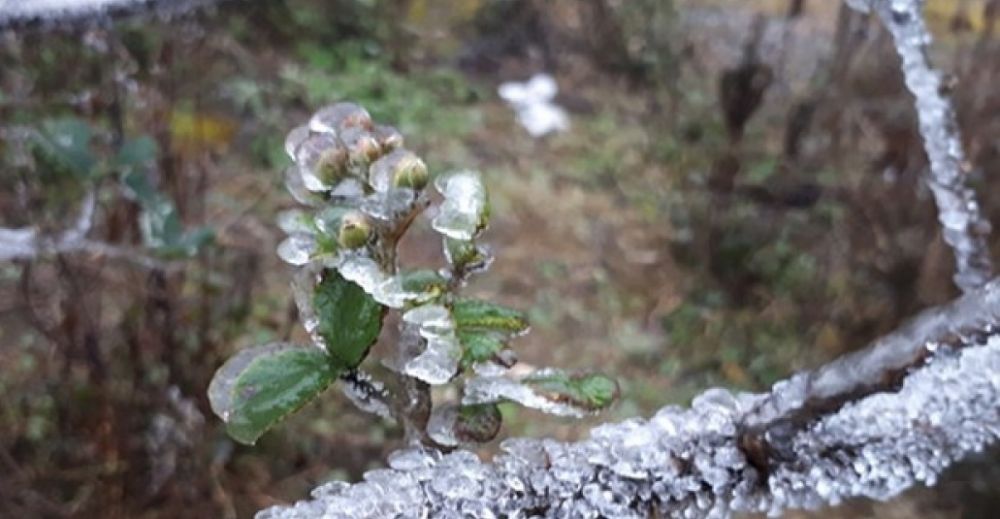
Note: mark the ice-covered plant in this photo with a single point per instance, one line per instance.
(363, 190)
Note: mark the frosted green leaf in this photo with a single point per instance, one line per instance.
(465, 211)
(479, 346)
(474, 314)
(259, 386)
(349, 319)
(548, 390)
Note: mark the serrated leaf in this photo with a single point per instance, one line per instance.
(478, 346)
(423, 281)
(588, 391)
(474, 314)
(349, 319)
(260, 386)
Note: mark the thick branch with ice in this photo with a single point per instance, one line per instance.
(962, 223)
(60, 11)
(905, 409)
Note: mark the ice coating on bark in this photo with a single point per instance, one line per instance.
(962, 224)
(438, 363)
(688, 463)
(693, 462)
(461, 214)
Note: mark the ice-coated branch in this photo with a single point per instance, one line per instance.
(962, 224)
(871, 424)
(60, 11)
(26, 243)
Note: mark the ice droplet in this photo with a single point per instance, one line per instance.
(463, 213)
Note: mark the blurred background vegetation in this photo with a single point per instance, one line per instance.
(739, 197)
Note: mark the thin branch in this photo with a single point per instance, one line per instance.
(962, 223)
(27, 243)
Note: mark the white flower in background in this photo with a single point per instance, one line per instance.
(533, 102)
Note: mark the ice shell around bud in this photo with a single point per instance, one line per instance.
(295, 138)
(464, 211)
(323, 161)
(400, 168)
(362, 148)
(355, 230)
(295, 184)
(297, 249)
(389, 138)
(337, 117)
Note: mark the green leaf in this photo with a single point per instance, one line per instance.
(349, 318)
(478, 423)
(259, 386)
(159, 221)
(135, 154)
(474, 314)
(424, 281)
(63, 146)
(588, 391)
(478, 346)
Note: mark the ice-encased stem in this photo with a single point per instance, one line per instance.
(695, 462)
(962, 224)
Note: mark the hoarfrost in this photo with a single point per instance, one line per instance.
(693, 462)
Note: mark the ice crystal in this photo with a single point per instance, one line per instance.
(462, 214)
(439, 361)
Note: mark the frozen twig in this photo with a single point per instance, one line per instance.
(26, 243)
(915, 402)
(962, 224)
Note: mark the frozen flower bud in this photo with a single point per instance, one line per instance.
(355, 230)
(362, 148)
(323, 160)
(401, 169)
(339, 117)
(389, 138)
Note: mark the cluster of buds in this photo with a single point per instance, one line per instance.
(363, 189)
(341, 155)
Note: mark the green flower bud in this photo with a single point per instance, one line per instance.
(355, 230)
(362, 148)
(324, 157)
(411, 172)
